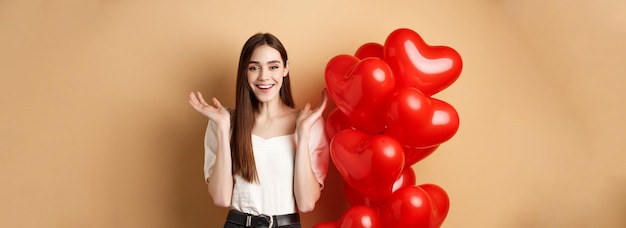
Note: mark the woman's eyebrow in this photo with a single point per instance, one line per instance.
(270, 62)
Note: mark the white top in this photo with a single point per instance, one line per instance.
(274, 158)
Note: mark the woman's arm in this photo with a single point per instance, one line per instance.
(218, 161)
(220, 182)
(306, 185)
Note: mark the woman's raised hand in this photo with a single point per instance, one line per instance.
(215, 112)
(307, 117)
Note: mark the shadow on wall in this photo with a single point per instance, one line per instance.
(195, 207)
(617, 196)
(179, 135)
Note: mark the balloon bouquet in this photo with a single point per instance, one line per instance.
(386, 121)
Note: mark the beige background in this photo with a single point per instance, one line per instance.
(96, 130)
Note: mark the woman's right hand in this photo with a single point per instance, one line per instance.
(216, 112)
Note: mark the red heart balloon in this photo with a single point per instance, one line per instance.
(354, 197)
(360, 217)
(336, 122)
(409, 206)
(416, 64)
(414, 155)
(440, 201)
(370, 50)
(418, 121)
(407, 178)
(370, 164)
(360, 89)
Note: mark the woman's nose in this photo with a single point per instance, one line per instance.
(264, 74)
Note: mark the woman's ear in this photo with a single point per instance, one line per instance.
(286, 70)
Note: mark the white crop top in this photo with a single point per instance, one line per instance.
(274, 158)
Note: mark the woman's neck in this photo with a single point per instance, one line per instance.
(273, 109)
(274, 120)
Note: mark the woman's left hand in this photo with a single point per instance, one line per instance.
(308, 117)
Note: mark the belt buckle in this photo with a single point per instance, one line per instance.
(248, 220)
(270, 219)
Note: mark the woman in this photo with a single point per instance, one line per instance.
(266, 160)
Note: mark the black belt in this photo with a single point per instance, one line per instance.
(248, 220)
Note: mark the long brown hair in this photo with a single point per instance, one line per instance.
(247, 105)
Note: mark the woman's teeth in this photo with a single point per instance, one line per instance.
(264, 86)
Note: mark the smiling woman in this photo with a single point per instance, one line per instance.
(267, 161)
(266, 71)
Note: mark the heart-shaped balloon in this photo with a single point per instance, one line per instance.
(409, 206)
(440, 201)
(360, 217)
(406, 178)
(370, 50)
(336, 122)
(417, 64)
(354, 197)
(414, 155)
(368, 163)
(360, 89)
(418, 121)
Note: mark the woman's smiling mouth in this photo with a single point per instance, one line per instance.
(265, 86)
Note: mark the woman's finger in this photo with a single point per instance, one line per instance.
(201, 99)
(306, 108)
(193, 104)
(192, 99)
(217, 103)
(323, 104)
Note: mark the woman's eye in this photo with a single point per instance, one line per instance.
(253, 68)
(274, 67)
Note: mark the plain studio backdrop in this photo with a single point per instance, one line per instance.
(96, 130)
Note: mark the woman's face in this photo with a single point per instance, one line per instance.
(266, 70)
